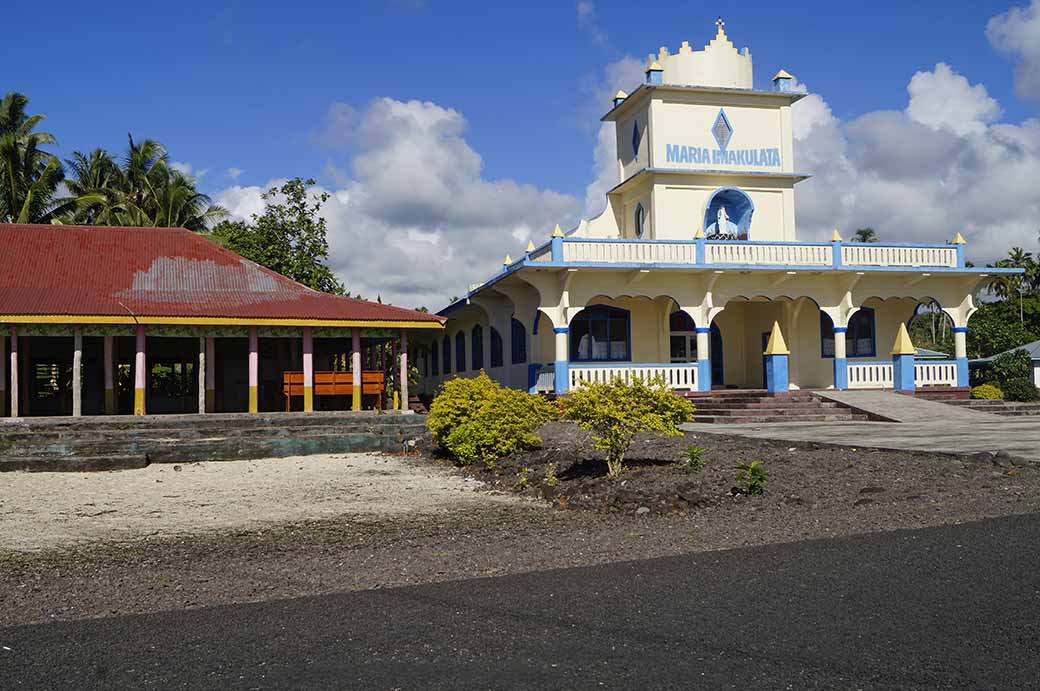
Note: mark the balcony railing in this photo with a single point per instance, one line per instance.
(680, 375)
(748, 253)
(879, 375)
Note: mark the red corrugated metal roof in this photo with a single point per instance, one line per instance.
(156, 272)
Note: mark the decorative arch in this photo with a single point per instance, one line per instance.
(601, 333)
(739, 210)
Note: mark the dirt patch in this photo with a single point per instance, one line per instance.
(886, 487)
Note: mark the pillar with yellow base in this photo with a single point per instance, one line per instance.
(77, 371)
(14, 371)
(140, 371)
(355, 367)
(308, 370)
(404, 370)
(211, 375)
(254, 371)
(3, 371)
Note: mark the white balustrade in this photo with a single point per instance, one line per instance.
(675, 376)
(622, 252)
(882, 255)
(546, 381)
(937, 373)
(766, 253)
(870, 375)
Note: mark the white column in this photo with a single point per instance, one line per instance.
(77, 371)
(254, 370)
(14, 371)
(404, 369)
(308, 369)
(211, 375)
(960, 344)
(703, 359)
(202, 375)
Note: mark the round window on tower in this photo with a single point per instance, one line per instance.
(640, 221)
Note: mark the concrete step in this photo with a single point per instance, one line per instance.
(753, 419)
(72, 464)
(766, 405)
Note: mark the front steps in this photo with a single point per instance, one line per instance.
(120, 442)
(1005, 408)
(736, 407)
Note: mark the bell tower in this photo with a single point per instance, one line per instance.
(700, 150)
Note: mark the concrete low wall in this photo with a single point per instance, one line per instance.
(120, 442)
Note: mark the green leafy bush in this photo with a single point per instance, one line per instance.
(477, 420)
(1011, 366)
(1021, 390)
(987, 392)
(617, 411)
(752, 477)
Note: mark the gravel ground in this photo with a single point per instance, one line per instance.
(812, 493)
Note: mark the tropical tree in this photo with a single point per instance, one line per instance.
(289, 237)
(865, 235)
(29, 176)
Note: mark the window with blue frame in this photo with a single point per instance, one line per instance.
(601, 334)
(518, 336)
(435, 369)
(860, 337)
(476, 348)
(496, 348)
(447, 355)
(460, 352)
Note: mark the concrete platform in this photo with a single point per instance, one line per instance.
(897, 407)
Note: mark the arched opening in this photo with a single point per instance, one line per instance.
(731, 208)
(931, 331)
(600, 333)
(683, 344)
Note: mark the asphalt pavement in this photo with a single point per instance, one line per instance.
(951, 607)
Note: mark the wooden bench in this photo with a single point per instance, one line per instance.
(334, 384)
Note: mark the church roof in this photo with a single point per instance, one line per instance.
(62, 273)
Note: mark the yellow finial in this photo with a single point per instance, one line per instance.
(903, 344)
(776, 344)
(783, 74)
(699, 235)
(557, 231)
(508, 261)
(530, 246)
(655, 67)
(958, 239)
(620, 94)
(835, 236)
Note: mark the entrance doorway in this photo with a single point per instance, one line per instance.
(683, 344)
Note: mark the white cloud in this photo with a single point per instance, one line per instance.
(187, 170)
(1016, 33)
(920, 175)
(413, 219)
(234, 173)
(943, 99)
(588, 21)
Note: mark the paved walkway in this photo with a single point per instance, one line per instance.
(929, 426)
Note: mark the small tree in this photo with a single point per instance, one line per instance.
(617, 411)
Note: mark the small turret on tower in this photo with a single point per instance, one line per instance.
(783, 81)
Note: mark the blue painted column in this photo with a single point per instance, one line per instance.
(561, 365)
(903, 352)
(532, 377)
(701, 247)
(841, 363)
(556, 245)
(776, 353)
(960, 350)
(703, 359)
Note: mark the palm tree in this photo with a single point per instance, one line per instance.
(865, 235)
(93, 180)
(29, 176)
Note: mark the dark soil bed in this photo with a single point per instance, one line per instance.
(802, 477)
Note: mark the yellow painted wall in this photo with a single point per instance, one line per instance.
(679, 207)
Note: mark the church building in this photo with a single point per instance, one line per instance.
(696, 262)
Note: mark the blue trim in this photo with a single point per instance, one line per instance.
(703, 329)
(562, 383)
(841, 373)
(571, 348)
(702, 251)
(561, 329)
(960, 329)
(743, 223)
(835, 254)
(840, 329)
(704, 375)
(903, 372)
(605, 365)
(776, 373)
(532, 377)
(556, 248)
(960, 255)
(715, 123)
(962, 371)
(655, 77)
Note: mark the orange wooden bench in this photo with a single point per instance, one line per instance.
(334, 384)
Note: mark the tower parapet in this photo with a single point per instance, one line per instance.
(719, 64)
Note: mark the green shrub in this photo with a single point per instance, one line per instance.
(477, 420)
(1011, 366)
(695, 461)
(1021, 390)
(551, 478)
(987, 392)
(753, 478)
(617, 411)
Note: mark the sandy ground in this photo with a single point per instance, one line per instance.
(51, 510)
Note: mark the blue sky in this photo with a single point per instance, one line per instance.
(245, 84)
(498, 104)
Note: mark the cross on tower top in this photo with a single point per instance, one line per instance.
(719, 23)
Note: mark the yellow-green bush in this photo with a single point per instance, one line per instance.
(477, 420)
(987, 392)
(617, 411)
